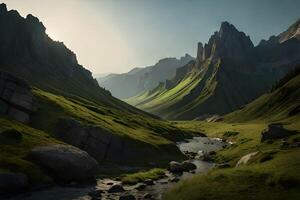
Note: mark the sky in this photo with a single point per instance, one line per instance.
(114, 36)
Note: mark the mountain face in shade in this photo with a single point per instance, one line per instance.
(139, 79)
(27, 52)
(229, 72)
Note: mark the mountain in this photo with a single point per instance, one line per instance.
(52, 111)
(280, 103)
(266, 133)
(229, 72)
(26, 51)
(140, 79)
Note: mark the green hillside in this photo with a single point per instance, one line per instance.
(273, 172)
(282, 102)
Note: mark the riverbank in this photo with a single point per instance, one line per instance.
(114, 188)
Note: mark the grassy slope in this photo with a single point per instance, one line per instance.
(154, 138)
(14, 150)
(162, 99)
(215, 87)
(277, 178)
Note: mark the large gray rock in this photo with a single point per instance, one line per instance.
(12, 182)
(275, 131)
(16, 99)
(64, 162)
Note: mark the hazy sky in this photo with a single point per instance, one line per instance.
(117, 35)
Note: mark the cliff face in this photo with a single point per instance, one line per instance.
(229, 72)
(29, 53)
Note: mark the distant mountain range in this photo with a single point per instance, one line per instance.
(139, 79)
(229, 72)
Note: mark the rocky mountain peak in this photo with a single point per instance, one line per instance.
(228, 42)
(292, 32)
(200, 51)
(3, 8)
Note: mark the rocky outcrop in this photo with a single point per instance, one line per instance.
(16, 99)
(29, 53)
(64, 162)
(245, 159)
(98, 142)
(12, 182)
(230, 43)
(275, 131)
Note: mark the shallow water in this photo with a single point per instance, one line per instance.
(195, 145)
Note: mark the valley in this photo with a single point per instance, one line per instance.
(223, 125)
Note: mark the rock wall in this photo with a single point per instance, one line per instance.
(16, 99)
(101, 144)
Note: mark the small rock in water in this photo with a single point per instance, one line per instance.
(174, 179)
(115, 189)
(127, 197)
(149, 182)
(109, 183)
(147, 196)
(175, 167)
(188, 166)
(140, 186)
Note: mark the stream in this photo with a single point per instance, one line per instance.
(195, 146)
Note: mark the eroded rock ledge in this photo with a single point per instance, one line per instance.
(16, 99)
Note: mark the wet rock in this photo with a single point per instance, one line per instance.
(245, 159)
(149, 182)
(109, 183)
(174, 180)
(116, 189)
(95, 194)
(127, 197)
(64, 162)
(175, 167)
(147, 196)
(140, 186)
(275, 131)
(12, 182)
(188, 166)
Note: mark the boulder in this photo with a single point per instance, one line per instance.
(188, 166)
(116, 189)
(175, 167)
(64, 162)
(149, 182)
(275, 131)
(140, 186)
(245, 159)
(12, 182)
